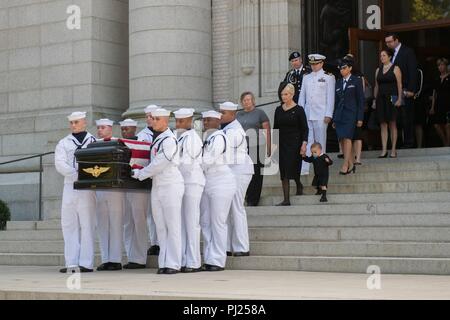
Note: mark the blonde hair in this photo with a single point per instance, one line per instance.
(290, 88)
(442, 61)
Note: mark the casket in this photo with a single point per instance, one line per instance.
(105, 165)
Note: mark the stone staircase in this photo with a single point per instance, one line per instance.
(394, 214)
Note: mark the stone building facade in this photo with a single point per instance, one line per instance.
(124, 56)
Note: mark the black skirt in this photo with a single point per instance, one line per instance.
(386, 110)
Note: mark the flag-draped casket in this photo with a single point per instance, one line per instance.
(107, 165)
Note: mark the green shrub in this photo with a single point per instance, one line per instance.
(5, 215)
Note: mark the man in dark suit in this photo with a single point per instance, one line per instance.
(406, 60)
(295, 75)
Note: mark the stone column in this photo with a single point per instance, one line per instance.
(170, 54)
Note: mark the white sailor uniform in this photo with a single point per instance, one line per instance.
(166, 197)
(216, 201)
(191, 147)
(78, 206)
(242, 167)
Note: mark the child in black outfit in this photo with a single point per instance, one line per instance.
(321, 163)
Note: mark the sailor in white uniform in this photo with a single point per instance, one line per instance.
(167, 192)
(110, 210)
(135, 215)
(78, 206)
(242, 166)
(147, 135)
(317, 98)
(219, 191)
(190, 149)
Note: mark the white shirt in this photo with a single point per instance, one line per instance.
(346, 81)
(215, 153)
(190, 151)
(164, 160)
(240, 162)
(65, 162)
(317, 95)
(145, 135)
(396, 52)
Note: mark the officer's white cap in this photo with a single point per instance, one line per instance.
(128, 123)
(316, 58)
(77, 116)
(104, 122)
(161, 113)
(228, 106)
(184, 113)
(211, 114)
(151, 108)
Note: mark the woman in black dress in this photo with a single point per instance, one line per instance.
(388, 98)
(290, 120)
(440, 110)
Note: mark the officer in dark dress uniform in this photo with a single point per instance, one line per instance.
(295, 75)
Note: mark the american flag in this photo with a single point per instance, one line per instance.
(140, 153)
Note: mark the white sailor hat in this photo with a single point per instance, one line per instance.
(184, 113)
(161, 113)
(128, 123)
(228, 106)
(77, 116)
(211, 114)
(104, 122)
(316, 58)
(151, 108)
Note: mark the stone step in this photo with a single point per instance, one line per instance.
(372, 177)
(364, 188)
(403, 234)
(359, 209)
(352, 220)
(284, 248)
(361, 198)
(417, 234)
(407, 153)
(430, 266)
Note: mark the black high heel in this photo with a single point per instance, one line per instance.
(353, 170)
(383, 157)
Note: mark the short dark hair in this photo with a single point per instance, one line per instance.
(393, 35)
(247, 93)
(389, 52)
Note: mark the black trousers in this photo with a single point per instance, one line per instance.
(407, 123)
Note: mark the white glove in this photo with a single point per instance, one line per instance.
(135, 173)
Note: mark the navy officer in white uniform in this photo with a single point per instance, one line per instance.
(219, 191)
(167, 192)
(78, 206)
(242, 167)
(317, 98)
(190, 150)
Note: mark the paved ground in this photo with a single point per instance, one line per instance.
(47, 283)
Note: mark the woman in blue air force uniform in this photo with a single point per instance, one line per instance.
(348, 112)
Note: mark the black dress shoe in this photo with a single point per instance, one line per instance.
(134, 266)
(319, 192)
(85, 270)
(63, 270)
(211, 268)
(324, 198)
(284, 204)
(340, 156)
(161, 271)
(383, 157)
(229, 254)
(241, 254)
(114, 266)
(153, 251)
(171, 271)
(103, 266)
(191, 270)
(299, 191)
(352, 170)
